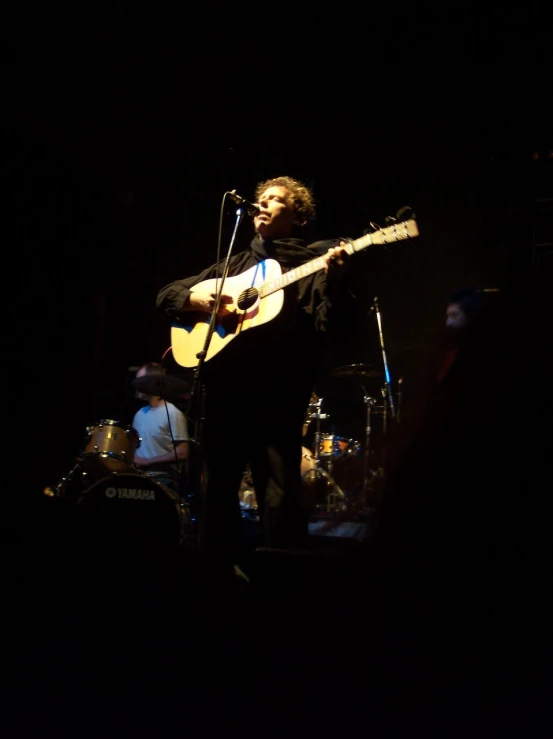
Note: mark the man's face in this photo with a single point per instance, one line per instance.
(455, 318)
(277, 218)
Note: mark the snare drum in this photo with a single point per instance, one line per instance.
(334, 446)
(111, 448)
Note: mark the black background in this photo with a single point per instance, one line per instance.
(125, 126)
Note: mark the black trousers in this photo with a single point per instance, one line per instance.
(241, 429)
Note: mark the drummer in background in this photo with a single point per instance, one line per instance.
(163, 430)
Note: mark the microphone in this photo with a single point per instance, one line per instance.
(252, 209)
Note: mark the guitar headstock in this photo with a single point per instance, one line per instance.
(396, 232)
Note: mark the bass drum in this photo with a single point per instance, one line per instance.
(307, 462)
(132, 507)
(315, 486)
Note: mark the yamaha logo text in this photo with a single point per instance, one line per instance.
(130, 493)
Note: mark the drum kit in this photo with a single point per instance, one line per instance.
(338, 473)
(105, 483)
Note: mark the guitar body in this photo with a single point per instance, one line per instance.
(189, 336)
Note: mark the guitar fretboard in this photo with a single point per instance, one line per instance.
(397, 232)
(304, 270)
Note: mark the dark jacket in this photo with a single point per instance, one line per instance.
(285, 351)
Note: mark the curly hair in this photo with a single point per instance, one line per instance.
(300, 196)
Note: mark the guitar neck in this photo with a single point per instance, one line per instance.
(397, 232)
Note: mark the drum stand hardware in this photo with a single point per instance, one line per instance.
(318, 471)
(61, 488)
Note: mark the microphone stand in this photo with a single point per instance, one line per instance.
(368, 474)
(318, 470)
(201, 355)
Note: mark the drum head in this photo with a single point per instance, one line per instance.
(132, 507)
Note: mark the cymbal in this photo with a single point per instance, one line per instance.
(357, 370)
(166, 386)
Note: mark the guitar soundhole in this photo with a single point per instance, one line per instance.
(247, 298)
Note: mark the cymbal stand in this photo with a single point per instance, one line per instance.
(337, 491)
(368, 473)
(399, 394)
(313, 403)
(384, 392)
(387, 393)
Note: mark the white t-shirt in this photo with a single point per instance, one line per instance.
(155, 426)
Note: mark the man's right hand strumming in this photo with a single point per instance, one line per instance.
(204, 301)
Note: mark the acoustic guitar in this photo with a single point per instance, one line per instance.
(258, 298)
